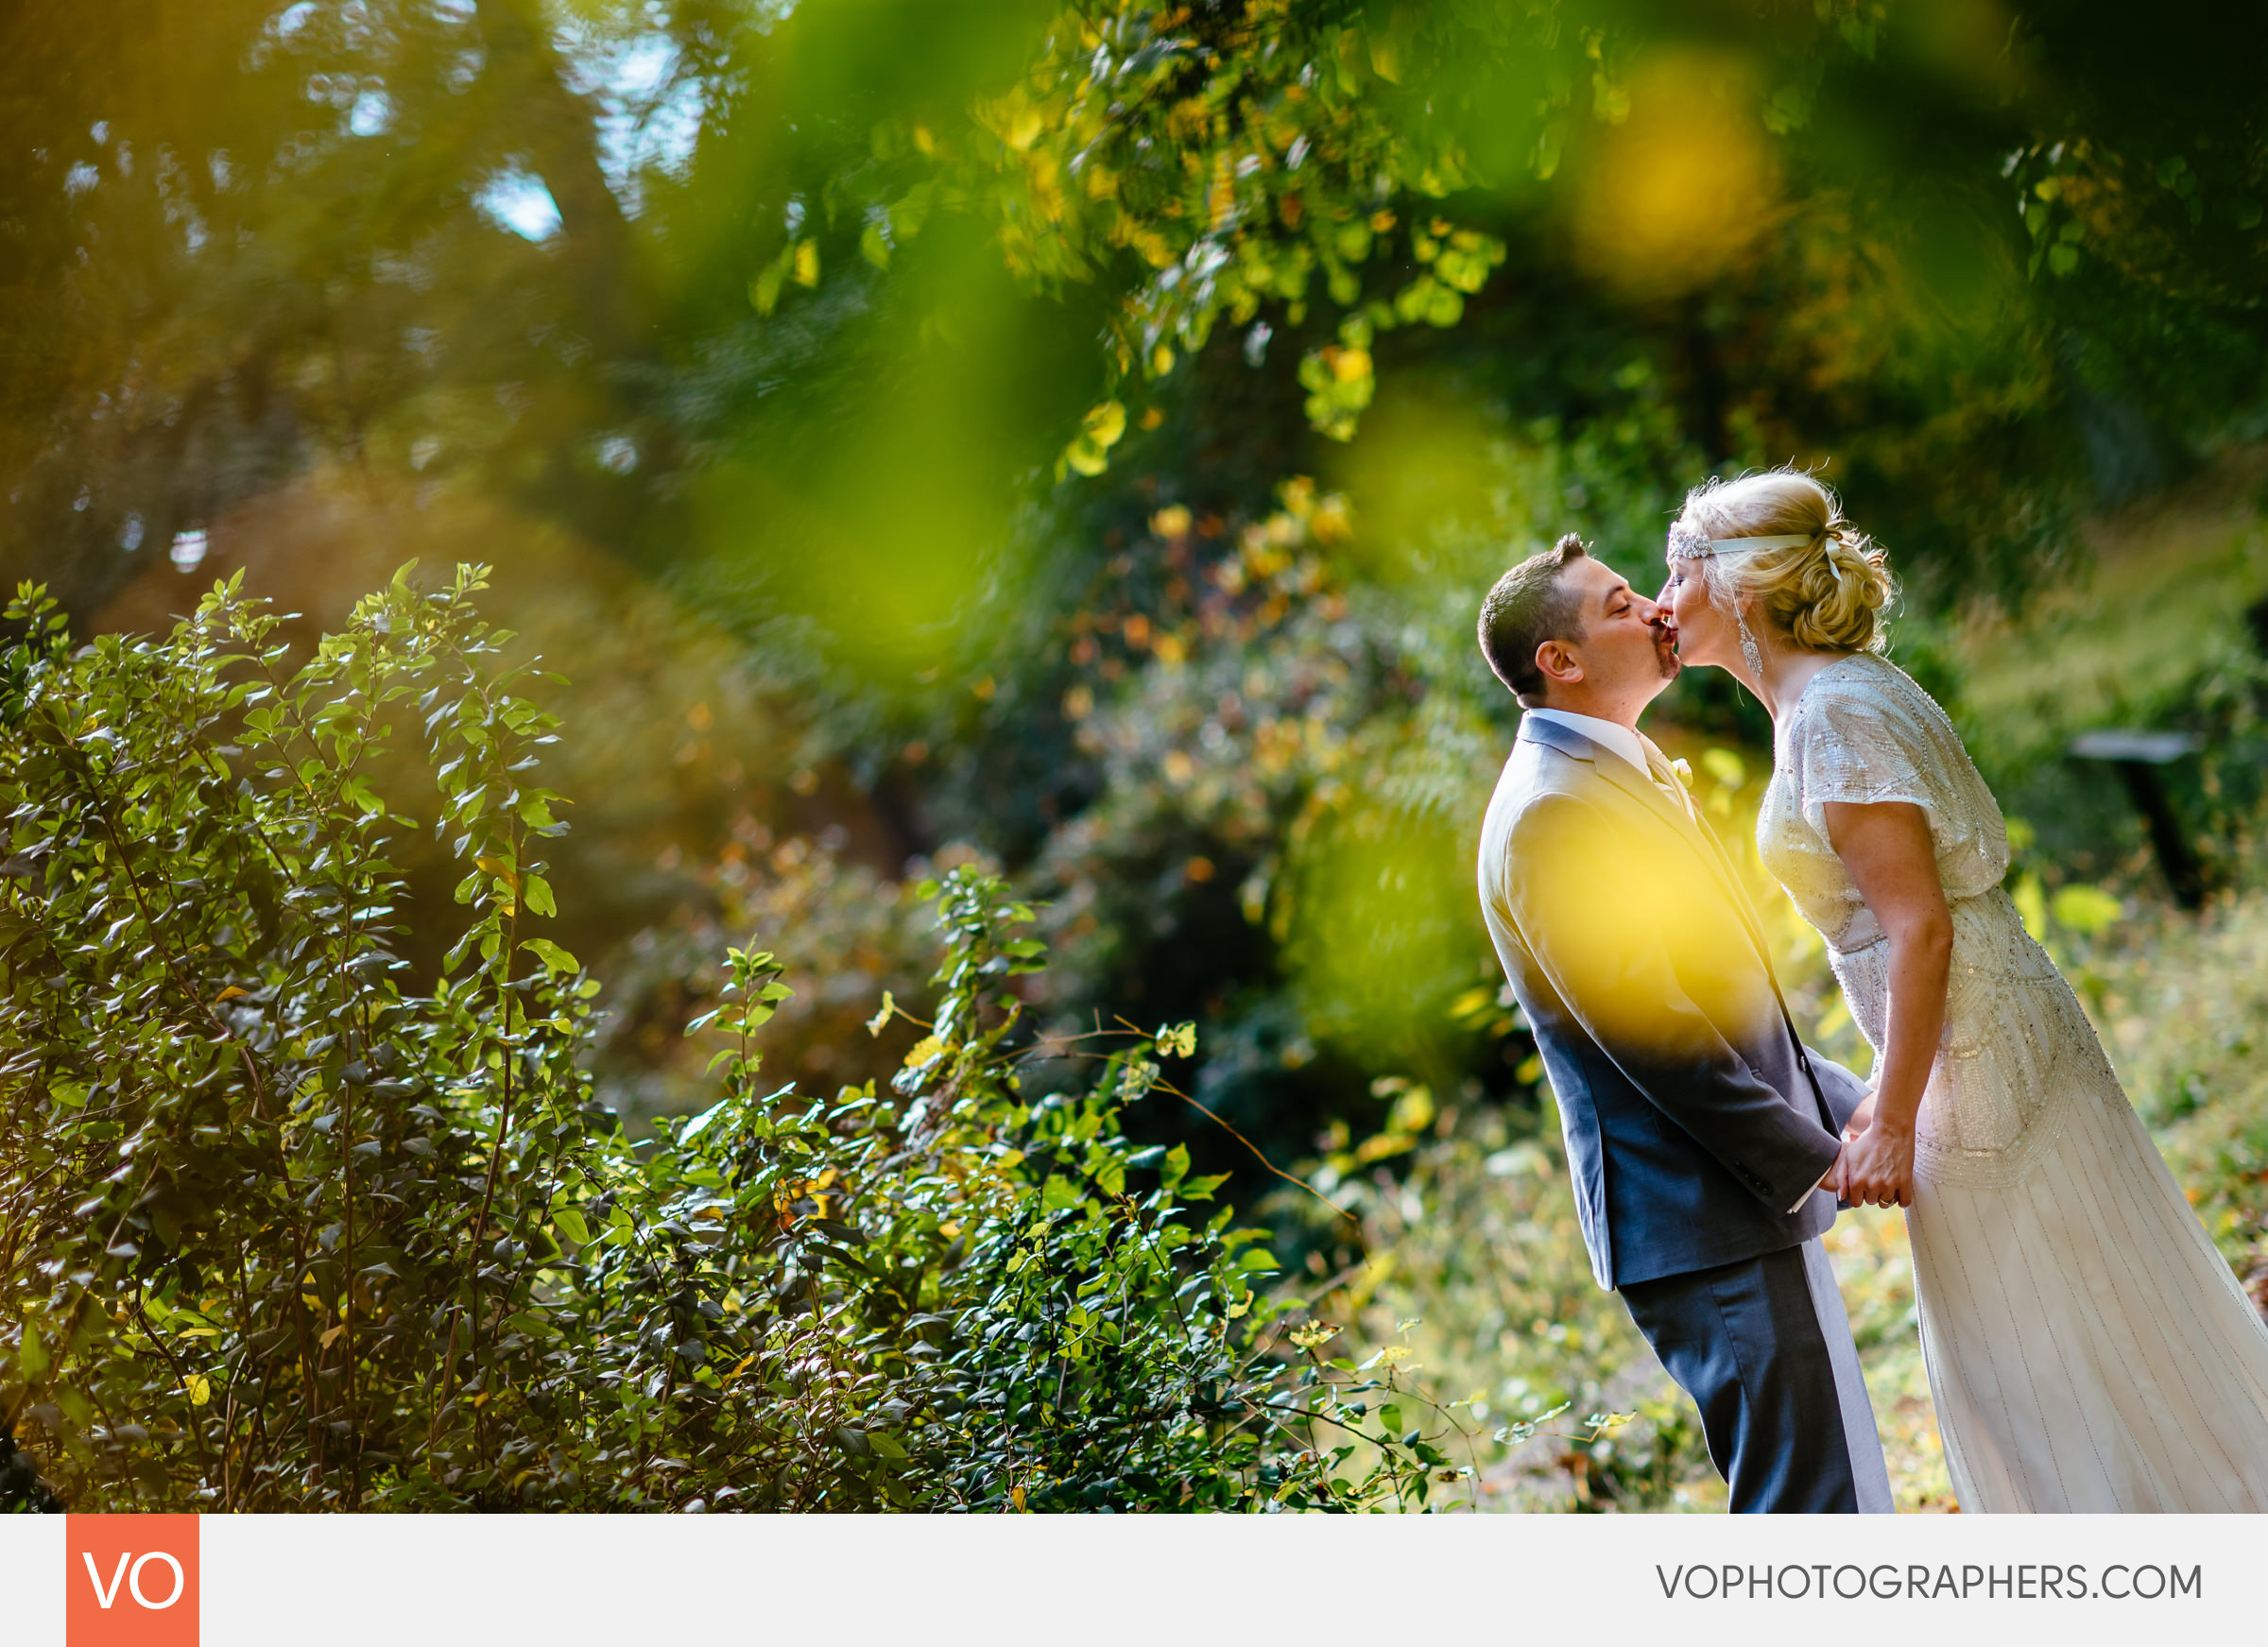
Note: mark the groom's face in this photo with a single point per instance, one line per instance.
(1627, 652)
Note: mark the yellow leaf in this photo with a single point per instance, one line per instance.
(199, 1388)
(1106, 424)
(926, 1049)
(229, 994)
(889, 1006)
(807, 264)
(1015, 1497)
(331, 1336)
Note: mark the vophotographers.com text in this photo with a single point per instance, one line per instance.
(2022, 1582)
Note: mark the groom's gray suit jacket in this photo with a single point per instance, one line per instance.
(1695, 1119)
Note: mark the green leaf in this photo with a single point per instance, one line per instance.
(536, 893)
(2086, 909)
(1176, 1165)
(553, 957)
(569, 1222)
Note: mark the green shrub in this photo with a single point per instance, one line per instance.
(2182, 1005)
(285, 1227)
(277, 1227)
(1479, 1267)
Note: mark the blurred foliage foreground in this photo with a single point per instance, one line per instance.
(288, 1228)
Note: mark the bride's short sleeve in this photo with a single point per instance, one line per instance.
(1867, 735)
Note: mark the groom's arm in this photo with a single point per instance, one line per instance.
(1843, 1091)
(1587, 917)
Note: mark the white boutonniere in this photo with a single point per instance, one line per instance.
(1685, 773)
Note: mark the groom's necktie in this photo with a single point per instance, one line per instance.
(1665, 777)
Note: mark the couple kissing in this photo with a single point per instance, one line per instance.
(2087, 1348)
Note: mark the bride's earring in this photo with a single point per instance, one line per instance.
(1749, 649)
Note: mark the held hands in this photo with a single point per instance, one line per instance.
(1875, 1167)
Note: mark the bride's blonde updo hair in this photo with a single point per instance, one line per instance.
(1827, 594)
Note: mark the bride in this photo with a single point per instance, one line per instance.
(2087, 1348)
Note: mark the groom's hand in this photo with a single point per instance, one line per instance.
(1861, 1119)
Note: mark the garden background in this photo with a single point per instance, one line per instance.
(1011, 483)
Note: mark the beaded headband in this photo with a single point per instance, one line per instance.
(1687, 544)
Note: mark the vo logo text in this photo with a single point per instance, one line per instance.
(130, 1581)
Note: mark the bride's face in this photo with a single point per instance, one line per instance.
(1703, 634)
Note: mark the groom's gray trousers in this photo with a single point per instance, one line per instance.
(1763, 1347)
(1696, 1122)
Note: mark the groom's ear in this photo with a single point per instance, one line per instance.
(1556, 662)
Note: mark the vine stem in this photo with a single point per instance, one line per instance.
(1163, 1084)
(196, 1431)
(504, 1128)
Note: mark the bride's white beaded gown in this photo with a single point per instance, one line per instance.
(2087, 1348)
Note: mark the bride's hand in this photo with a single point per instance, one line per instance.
(1875, 1167)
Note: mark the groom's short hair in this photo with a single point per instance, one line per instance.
(1526, 609)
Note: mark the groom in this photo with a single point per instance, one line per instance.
(1698, 1127)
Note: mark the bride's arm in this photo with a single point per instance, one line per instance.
(1886, 848)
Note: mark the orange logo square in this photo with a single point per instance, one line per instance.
(130, 1581)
